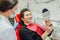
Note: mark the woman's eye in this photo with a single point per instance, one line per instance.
(30, 14)
(27, 15)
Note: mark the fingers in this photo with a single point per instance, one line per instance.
(48, 22)
(49, 27)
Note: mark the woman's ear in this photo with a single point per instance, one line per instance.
(0, 12)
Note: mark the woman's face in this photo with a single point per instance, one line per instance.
(14, 9)
(12, 12)
(27, 17)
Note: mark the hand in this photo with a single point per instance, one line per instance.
(47, 32)
(48, 23)
(48, 29)
(48, 26)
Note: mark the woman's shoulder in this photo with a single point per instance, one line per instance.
(23, 29)
(39, 26)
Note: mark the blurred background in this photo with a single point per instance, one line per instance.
(36, 7)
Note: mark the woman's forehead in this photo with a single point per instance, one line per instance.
(27, 12)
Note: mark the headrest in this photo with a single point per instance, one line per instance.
(17, 17)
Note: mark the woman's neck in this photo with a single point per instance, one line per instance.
(26, 23)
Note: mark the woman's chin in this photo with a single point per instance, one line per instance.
(30, 21)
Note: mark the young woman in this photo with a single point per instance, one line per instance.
(7, 8)
(32, 31)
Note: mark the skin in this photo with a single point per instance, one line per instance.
(9, 12)
(28, 19)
